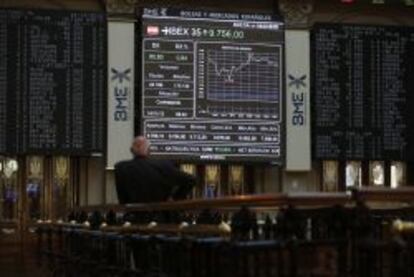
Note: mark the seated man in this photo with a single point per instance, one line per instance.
(143, 179)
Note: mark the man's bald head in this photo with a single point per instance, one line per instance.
(140, 146)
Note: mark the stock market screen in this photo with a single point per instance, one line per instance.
(52, 82)
(212, 85)
(363, 92)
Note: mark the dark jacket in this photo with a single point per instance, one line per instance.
(146, 180)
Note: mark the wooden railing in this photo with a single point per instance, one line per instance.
(269, 201)
(325, 234)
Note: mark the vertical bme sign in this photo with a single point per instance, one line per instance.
(120, 91)
(298, 146)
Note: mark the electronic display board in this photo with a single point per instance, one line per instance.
(212, 85)
(362, 92)
(52, 82)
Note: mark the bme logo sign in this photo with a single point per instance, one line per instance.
(122, 93)
(298, 99)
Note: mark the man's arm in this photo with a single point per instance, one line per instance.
(180, 183)
(184, 185)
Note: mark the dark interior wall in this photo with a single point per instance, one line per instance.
(86, 5)
(240, 5)
(232, 5)
(323, 10)
(336, 12)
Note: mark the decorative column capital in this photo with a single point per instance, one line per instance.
(296, 12)
(120, 6)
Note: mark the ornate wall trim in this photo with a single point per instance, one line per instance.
(120, 6)
(296, 12)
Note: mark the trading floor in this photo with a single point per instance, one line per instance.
(293, 118)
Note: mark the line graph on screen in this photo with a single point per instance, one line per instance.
(241, 78)
(242, 75)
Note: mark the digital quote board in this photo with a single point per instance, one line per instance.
(212, 85)
(52, 82)
(363, 87)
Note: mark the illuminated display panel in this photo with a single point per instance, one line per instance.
(362, 92)
(52, 82)
(212, 85)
